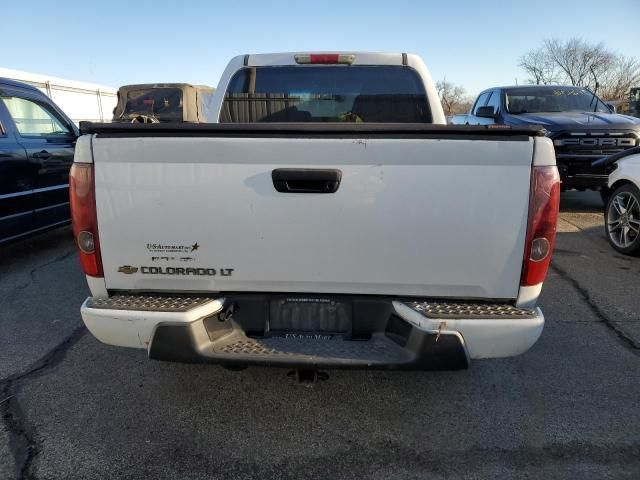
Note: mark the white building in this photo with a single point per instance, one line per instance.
(79, 100)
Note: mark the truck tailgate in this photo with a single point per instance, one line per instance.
(441, 217)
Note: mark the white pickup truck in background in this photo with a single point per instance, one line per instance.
(330, 219)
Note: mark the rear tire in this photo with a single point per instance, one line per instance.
(622, 219)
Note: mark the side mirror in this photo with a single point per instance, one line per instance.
(612, 107)
(486, 112)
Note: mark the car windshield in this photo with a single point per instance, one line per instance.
(164, 104)
(552, 99)
(326, 94)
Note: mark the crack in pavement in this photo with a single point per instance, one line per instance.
(21, 441)
(22, 437)
(625, 339)
(33, 271)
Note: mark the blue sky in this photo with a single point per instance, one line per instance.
(473, 43)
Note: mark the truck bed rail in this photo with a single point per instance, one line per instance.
(310, 130)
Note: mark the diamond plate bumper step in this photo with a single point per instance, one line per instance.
(390, 343)
(378, 349)
(472, 310)
(148, 303)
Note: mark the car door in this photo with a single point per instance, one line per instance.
(48, 137)
(481, 101)
(16, 179)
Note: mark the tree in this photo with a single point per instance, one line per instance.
(541, 68)
(577, 62)
(617, 81)
(453, 97)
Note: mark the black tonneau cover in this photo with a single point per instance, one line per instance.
(340, 130)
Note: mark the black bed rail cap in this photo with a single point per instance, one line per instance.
(305, 129)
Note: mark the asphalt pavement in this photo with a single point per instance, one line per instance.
(75, 408)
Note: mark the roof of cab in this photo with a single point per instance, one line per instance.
(5, 82)
(288, 58)
(533, 86)
(164, 85)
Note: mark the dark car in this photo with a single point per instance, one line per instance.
(37, 141)
(583, 128)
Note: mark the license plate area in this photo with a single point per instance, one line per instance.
(308, 315)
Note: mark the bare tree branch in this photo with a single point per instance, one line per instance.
(453, 97)
(617, 81)
(541, 68)
(577, 62)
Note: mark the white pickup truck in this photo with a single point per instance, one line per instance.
(330, 219)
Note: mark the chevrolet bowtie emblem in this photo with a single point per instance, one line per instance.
(128, 269)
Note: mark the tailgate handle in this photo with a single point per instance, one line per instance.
(306, 180)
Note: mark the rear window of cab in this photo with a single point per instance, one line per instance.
(379, 94)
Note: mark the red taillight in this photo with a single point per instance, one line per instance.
(83, 215)
(544, 203)
(325, 58)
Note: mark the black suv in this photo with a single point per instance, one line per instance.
(37, 141)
